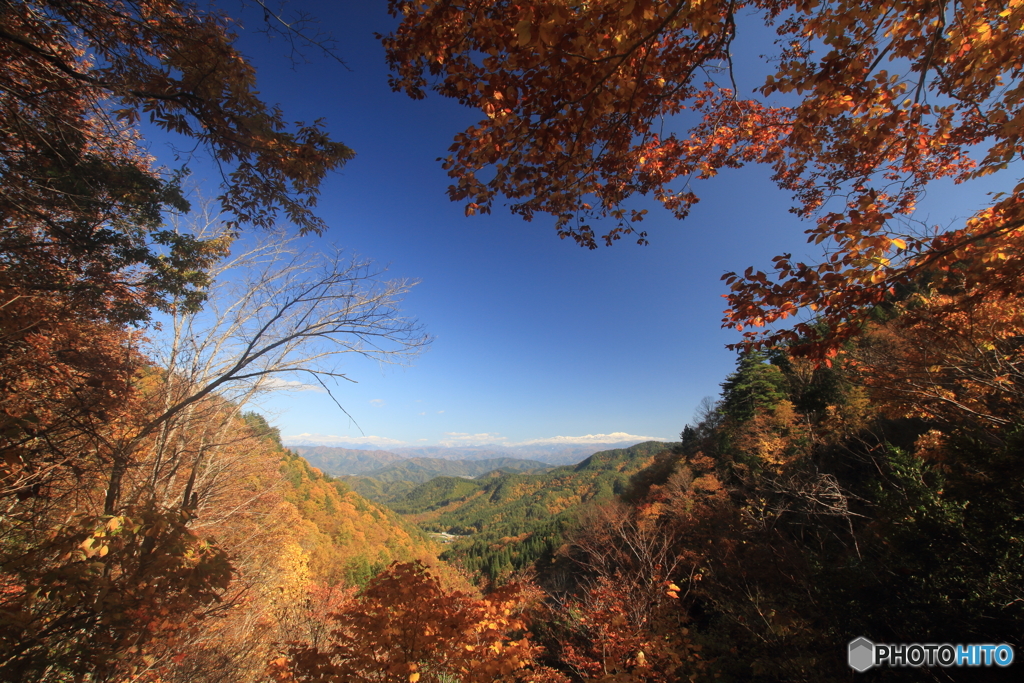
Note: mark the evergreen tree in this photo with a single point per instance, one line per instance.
(755, 386)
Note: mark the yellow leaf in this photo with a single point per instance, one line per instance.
(900, 244)
(413, 677)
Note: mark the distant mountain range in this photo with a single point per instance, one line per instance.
(395, 480)
(508, 520)
(419, 470)
(345, 459)
(338, 461)
(387, 467)
(555, 488)
(505, 512)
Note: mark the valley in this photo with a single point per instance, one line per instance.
(496, 515)
(227, 457)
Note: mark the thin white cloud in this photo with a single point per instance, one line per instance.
(377, 402)
(276, 383)
(454, 439)
(332, 439)
(439, 412)
(614, 437)
(466, 439)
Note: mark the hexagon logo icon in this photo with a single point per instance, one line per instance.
(861, 653)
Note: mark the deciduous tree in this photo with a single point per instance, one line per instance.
(273, 312)
(105, 544)
(81, 203)
(867, 103)
(77, 78)
(953, 358)
(405, 627)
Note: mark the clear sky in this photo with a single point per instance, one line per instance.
(534, 337)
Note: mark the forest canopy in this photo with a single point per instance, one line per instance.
(133, 489)
(860, 474)
(865, 105)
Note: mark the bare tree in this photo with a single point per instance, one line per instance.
(636, 552)
(277, 315)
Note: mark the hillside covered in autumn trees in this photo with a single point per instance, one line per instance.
(803, 507)
(509, 521)
(859, 475)
(149, 529)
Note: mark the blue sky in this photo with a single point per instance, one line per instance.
(534, 337)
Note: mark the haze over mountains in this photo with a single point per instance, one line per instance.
(387, 476)
(350, 459)
(419, 470)
(340, 461)
(508, 520)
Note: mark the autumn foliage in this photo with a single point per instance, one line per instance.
(405, 627)
(951, 357)
(864, 105)
(154, 531)
(81, 213)
(872, 489)
(162, 60)
(123, 529)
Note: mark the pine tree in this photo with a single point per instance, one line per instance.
(756, 385)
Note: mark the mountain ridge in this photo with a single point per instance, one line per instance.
(419, 470)
(351, 459)
(510, 521)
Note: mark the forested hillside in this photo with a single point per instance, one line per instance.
(377, 490)
(308, 540)
(362, 537)
(260, 534)
(859, 476)
(419, 470)
(807, 505)
(393, 482)
(512, 520)
(148, 532)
